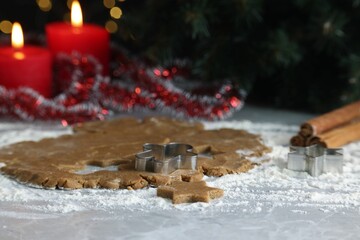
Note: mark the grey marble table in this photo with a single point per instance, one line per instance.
(267, 203)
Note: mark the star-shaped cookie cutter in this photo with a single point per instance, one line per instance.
(315, 159)
(165, 158)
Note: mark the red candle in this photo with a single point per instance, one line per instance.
(85, 39)
(27, 66)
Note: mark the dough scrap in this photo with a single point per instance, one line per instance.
(187, 192)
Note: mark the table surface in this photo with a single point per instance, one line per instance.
(269, 202)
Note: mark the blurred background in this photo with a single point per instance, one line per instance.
(290, 54)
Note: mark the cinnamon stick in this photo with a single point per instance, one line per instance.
(337, 137)
(331, 120)
(298, 141)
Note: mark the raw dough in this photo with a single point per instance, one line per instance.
(187, 192)
(54, 162)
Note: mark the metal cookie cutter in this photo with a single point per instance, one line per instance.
(315, 159)
(165, 158)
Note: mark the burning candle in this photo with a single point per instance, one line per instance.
(25, 66)
(86, 39)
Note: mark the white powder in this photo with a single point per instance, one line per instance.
(263, 189)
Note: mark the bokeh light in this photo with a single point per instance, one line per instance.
(44, 5)
(115, 12)
(5, 26)
(68, 3)
(111, 26)
(109, 3)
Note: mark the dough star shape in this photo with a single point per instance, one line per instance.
(56, 162)
(186, 192)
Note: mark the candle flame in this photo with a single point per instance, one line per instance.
(76, 14)
(17, 36)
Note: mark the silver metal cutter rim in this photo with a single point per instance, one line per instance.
(165, 158)
(315, 159)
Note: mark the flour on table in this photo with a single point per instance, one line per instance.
(264, 188)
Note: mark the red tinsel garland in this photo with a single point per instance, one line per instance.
(84, 94)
